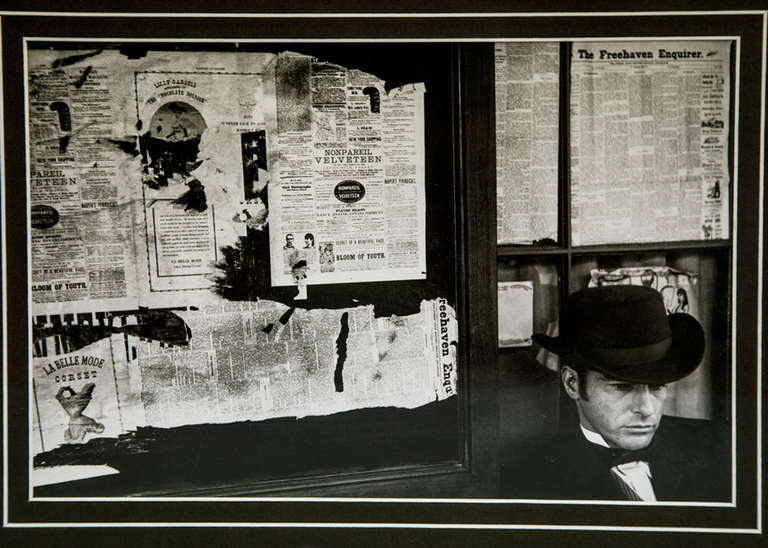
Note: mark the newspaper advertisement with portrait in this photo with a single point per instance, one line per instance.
(347, 197)
(527, 76)
(245, 361)
(649, 141)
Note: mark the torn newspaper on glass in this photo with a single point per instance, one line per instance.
(243, 362)
(144, 169)
(347, 199)
(141, 169)
(649, 141)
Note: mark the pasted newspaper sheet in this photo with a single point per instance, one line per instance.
(527, 125)
(144, 166)
(141, 168)
(649, 141)
(690, 397)
(347, 197)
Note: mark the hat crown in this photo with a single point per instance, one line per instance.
(618, 316)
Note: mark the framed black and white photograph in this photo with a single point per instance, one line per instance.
(394, 277)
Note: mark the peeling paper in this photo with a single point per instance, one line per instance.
(348, 191)
(161, 208)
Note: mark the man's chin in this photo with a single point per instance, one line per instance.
(635, 441)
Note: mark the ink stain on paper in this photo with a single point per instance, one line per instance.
(127, 145)
(83, 77)
(341, 353)
(61, 335)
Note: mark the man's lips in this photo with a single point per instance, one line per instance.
(640, 428)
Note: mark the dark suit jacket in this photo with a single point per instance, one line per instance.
(689, 461)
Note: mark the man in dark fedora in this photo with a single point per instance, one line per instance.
(618, 350)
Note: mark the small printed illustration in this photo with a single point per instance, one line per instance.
(290, 253)
(714, 191)
(309, 241)
(712, 123)
(74, 403)
(326, 257)
(171, 144)
(324, 127)
(254, 152)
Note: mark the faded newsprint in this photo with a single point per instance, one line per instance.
(141, 169)
(527, 109)
(347, 203)
(649, 141)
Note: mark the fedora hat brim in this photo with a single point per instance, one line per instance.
(683, 357)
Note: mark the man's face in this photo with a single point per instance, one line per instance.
(289, 240)
(625, 414)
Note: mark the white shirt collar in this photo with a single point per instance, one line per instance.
(594, 437)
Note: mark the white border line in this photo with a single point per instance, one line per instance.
(453, 15)
(730, 504)
(370, 15)
(368, 525)
(398, 499)
(734, 261)
(371, 40)
(27, 214)
(3, 276)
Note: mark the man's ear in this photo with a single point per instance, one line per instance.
(571, 380)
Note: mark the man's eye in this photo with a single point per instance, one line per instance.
(658, 387)
(621, 387)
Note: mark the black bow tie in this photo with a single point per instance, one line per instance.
(614, 457)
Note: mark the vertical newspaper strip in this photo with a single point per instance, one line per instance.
(649, 141)
(254, 361)
(348, 202)
(527, 128)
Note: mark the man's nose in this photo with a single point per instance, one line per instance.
(643, 400)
